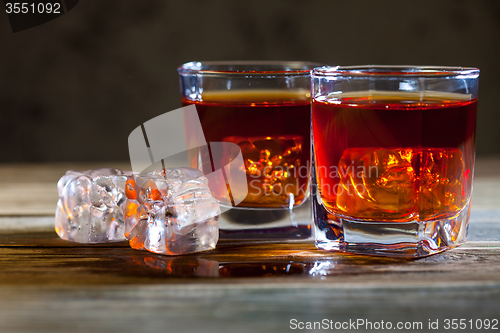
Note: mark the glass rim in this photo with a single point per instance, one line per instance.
(395, 70)
(244, 67)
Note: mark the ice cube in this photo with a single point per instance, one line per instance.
(377, 183)
(402, 184)
(171, 211)
(272, 165)
(443, 193)
(88, 210)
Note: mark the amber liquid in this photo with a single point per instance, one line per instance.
(385, 156)
(271, 127)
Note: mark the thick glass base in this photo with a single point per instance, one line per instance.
(412, 239)
(267, 224)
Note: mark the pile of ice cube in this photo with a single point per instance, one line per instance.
(167, 211)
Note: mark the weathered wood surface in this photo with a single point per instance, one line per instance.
(49, 285)
(31, 189)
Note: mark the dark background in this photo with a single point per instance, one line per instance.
(74, 88)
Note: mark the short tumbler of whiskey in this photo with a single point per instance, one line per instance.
(264, 109)
(393, 158)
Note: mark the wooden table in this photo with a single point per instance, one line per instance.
(49, 285)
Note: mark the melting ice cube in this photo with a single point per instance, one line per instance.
(88, 210)
(402, 184)
(272, 167)
(444, 185)
(171, 211)
(377, 183)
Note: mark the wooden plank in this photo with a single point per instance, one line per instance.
(31, 189)
(18, 173)
(57, 262)
(58, 286)
(26, 199)
(486, 193)
(233, 308)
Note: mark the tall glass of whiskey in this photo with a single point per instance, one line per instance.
(264, 109)
(393, 158)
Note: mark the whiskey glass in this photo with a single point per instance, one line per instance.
(263, 107)
(393, 157)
